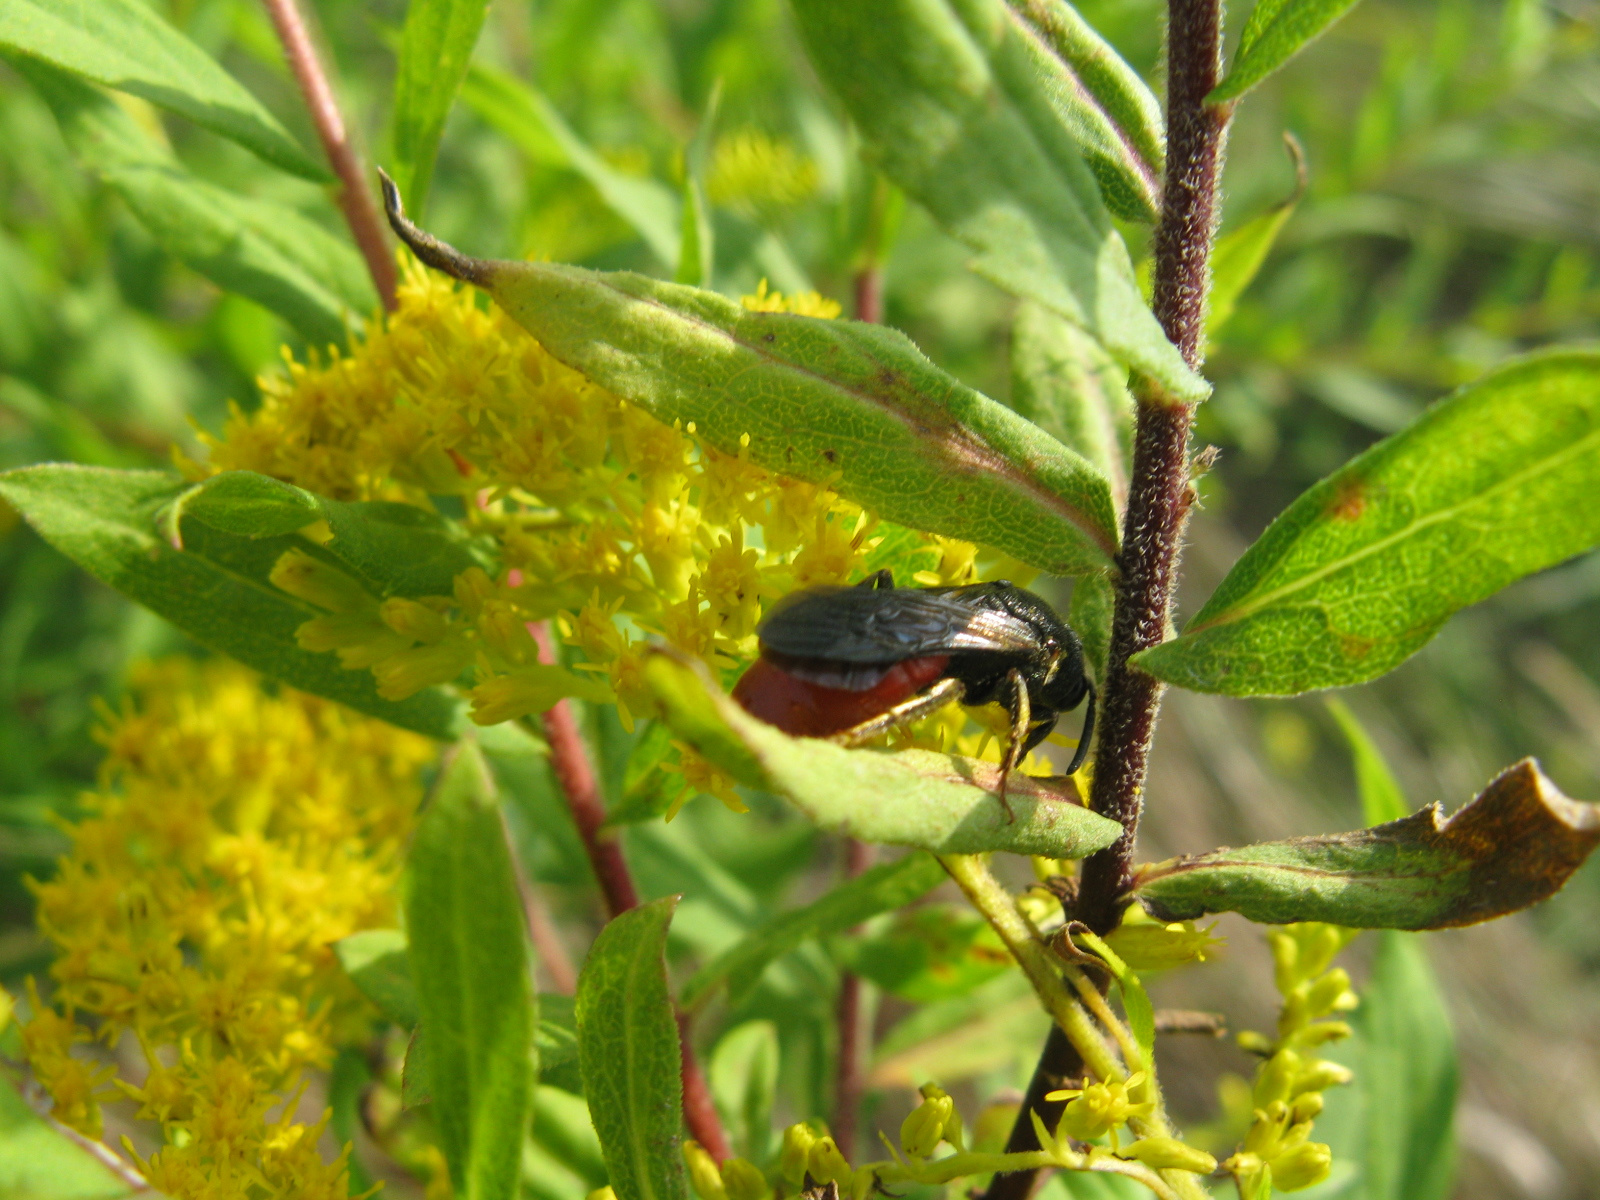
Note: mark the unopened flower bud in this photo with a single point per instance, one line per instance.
(414, 620)
(1321, 1075)
(1160, 1152)
(1326, 992)
(952, 1123)
(408, 672)
(1252, 1042)
(320, 583)
(703, 1173)
(1277, 1077)
(604, 1193)
(743, 1180)
(1305, 1107)
(826, 1163)
(1319, 1032)
(920, 1133)
(797, 1143)
(1304, 1165)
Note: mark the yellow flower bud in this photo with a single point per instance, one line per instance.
(1319, 1032)
(1304, 1165)
(1326, 993)
(743, 1180)
(408, 672)
(414, 620)
(796, 1152)
(827, 1164)
(1306, 1107)
(1252, 1042)
(319, 583)
(703, 1173)
(922, 1130)
(1160, 1152)
(604, 1193)
(1101, 1107)
(1319, 1076)
(1277, 1077)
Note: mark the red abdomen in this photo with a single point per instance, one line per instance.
(805, 709)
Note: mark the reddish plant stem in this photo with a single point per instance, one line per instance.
(1158, 503)
(575, 775)
(849, 1085)
(355, 196)
(869, 294)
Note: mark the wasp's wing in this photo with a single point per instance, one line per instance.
(862, 625)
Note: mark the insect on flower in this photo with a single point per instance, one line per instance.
(850, 663)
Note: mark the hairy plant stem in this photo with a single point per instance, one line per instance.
(355, 191)
(1158, 503)
(580, 787)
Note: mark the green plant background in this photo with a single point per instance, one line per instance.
(1449, 223)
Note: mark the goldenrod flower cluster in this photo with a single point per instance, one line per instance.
(758, 175)
(616, 525)
(234, 837)
(1290, 1082)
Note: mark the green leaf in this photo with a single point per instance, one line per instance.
(1094, 598)
(265, 252)
(1407, 1072)
(125, 45)
(930, 953)
(39, 1162)
(557, 1035)
(215, 590)
(470, 960)
(883, 888)
(379, 964)
(416, 1073)
(915, 798)
(1240, 253)
(629, 1052)
(1381, 797)
(1514, 845)
(841, 401)
(949, 97)
(1276, 31)
(1064, 383)
(1102, 103)
(435, 50)
(1135, 1000)
(1490, 484)
(347, 1082)
(743, 1074)
(523, 114)
(395, 549)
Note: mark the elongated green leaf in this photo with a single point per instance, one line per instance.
(1276, 31)
(948, 95)
(125, 45)
(1407, 1073)
(523, 113)
(435, 48)
(265, 252)
(347, 1083)
(39, 1162)
(469, 958)
(1514, 845)
(913, 798)
(378, 962)
(844, 401)
(1093, 598)
(216, 590)
(743, 1074)
(396, 549)
(882, 889)
(1492, 483)
(628, 1049)
(1240, 252)
(1067, 385)
(1381, 797)
(1102, 102)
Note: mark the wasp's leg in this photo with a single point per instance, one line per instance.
(946, 691)
(1021, 709)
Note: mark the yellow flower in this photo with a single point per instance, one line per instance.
(234, 837)
(758, 175)
(1095, 1110)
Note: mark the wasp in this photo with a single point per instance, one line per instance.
(850, 663)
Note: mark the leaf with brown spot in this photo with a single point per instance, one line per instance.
(1492, 483)
(905, 435)
(1514, 845)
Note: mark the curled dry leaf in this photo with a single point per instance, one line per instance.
(1516, 844)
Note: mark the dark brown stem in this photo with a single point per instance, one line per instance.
(355, 194)
(1158, 503)
(848, 1083)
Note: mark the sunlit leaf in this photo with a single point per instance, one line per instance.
(841, 401)
(39, 1162)
(1276, 31)
(1514, 845)
(950, 99)
(916, 798)
(125, 45)
(1492, 483)
(1381, 797)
